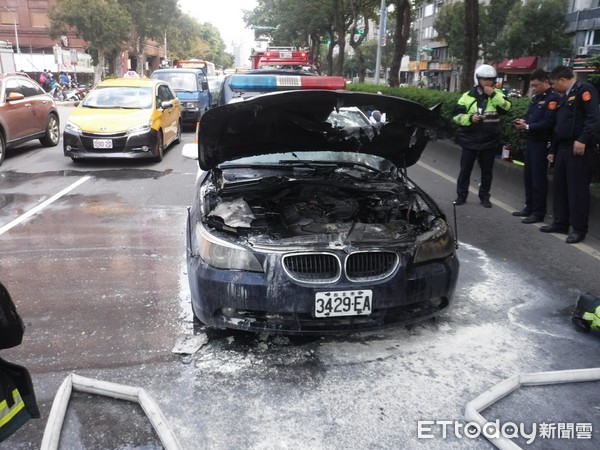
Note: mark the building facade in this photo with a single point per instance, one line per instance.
(584, 25)
(24, 25)
(433, 67)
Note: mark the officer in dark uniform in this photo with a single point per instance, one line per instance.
(577, 119)
(538, 123)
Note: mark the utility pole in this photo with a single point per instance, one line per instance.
(166, 61)
(382, 25)
(15, 24)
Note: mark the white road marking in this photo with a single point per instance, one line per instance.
(42, 205)
(580, 246)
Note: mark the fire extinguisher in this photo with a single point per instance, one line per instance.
(506, 152)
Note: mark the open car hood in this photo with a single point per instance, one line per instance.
(297, 121)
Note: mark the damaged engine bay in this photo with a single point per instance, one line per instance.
(347, 203)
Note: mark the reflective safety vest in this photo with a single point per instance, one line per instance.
(17, 399)
(12, 414)
(487, 133)
(593, 318)
(586, 315)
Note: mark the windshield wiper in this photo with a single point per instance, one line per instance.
(321, 164)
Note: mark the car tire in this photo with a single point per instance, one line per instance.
(160, 147)
(197, 325)
(52, 136)
(2, 148)
(178, 135)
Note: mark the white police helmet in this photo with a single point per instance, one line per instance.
(484, 71)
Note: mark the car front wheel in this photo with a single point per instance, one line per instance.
(178, 136)
(52, 135)
(160, 147)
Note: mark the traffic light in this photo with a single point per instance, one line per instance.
(360, 31)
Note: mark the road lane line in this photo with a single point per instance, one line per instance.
(580, 246)
(42, 205)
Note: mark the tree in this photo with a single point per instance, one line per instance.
(130, 23)
(287, 22)
(402, 31)
(471, 39)
(528, 31)
(296, 22)
(493, 22)
(150, 19)
(191, 39)
(362, 12)
(594, 77)
(450, 26)
(81, 16)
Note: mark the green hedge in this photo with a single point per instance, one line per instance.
(430, 97)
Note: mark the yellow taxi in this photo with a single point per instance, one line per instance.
(124, 118)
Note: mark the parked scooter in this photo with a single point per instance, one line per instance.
(56, 90)
(71, 94)
(82, 90)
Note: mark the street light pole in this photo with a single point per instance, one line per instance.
(15, 24)
(382, 17)
(166, 61)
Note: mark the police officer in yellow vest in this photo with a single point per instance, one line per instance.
(479, 134)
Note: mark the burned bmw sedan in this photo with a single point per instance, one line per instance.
(300, 225)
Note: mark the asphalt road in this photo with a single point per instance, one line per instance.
(99, 277)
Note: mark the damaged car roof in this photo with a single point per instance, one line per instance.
(297, 121)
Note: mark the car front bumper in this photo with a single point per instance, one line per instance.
(139, 145)
(275, 303)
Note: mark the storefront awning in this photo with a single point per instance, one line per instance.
(518, 65)
(581, 65)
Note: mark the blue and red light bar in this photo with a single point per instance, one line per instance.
(271, 83)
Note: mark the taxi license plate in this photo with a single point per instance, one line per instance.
(343, 303)
(102, 143)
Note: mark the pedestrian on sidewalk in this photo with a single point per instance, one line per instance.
(577, 120)
(479, 134)
(538, 123)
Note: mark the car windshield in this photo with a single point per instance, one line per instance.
(127, 97)
(184, 81)
(324, 157)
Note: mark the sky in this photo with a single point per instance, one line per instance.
(226, 15)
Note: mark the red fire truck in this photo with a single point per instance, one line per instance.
(282, 58)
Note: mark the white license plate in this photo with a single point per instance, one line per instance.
(285, 55)
(102, 143)
(343, 303)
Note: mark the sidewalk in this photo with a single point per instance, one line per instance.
(508, 184)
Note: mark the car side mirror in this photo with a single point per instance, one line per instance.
(13, 96)
(204, 85)
(167, 104)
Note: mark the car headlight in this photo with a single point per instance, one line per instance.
(72, 128)
(190, 105)
(141, 128)
(224, 255)
(436, 243)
